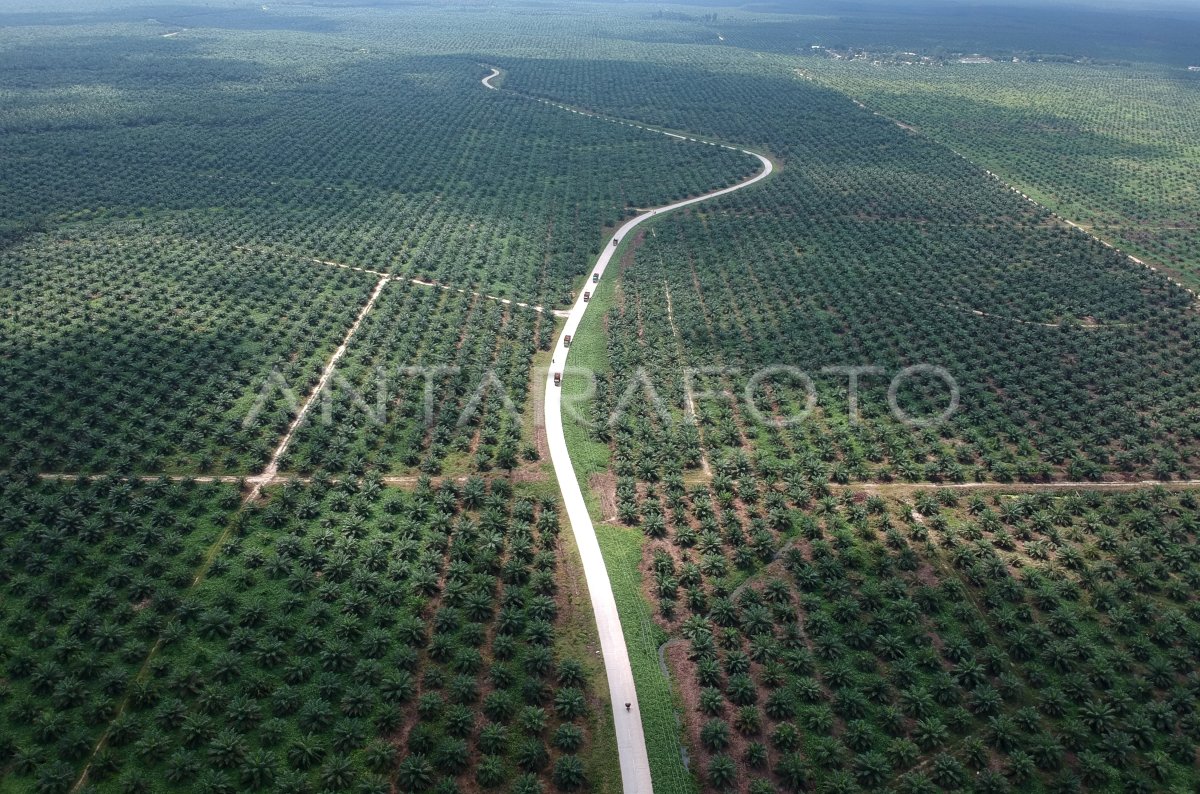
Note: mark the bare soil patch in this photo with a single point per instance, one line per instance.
(604, 486)
(627, 256)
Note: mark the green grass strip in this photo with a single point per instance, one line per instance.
(622, 550)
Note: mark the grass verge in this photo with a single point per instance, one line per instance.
(622, 550)
(588, 352)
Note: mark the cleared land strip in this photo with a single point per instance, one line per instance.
(635, 125)
(1083, 324)
(410, 280)
(484, 295)
(627, 719)
(409, 481)
(314, 260)
(910, 128)
(272, 468)
(899, 488)
(394, 481)
(687, 384)
(1079, 228)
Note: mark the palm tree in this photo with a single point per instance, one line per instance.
(531, 755)
(453, 756)
(459, 721)
(527, 784)
(794, 772)
(1046, 752)
(741, 690)
(490, 772)
(948, 772)
(828, 753)
(498, 706)
(780, 705)
(568, 773)
(985, 701)
(568, 738)
(532, 720)
(571, 673)
(714, 735)
(258, 769)
(415, 774)
(305, 753)
(337, 774)
(871, 769)
(1116, 747)
(226, 750)
(711, 701)
(54, 778)
(929, 733)
(722, 772)
(569, 703)
(1098, 716)
(756, 755)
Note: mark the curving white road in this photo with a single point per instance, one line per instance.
(631, 742)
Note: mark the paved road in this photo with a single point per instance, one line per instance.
(631, 743)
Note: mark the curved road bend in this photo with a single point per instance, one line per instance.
(631, 742)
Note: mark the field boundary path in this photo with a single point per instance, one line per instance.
(1007, 182)
(866, 486)
(403, 279)
(631, 741)
(272, 469)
